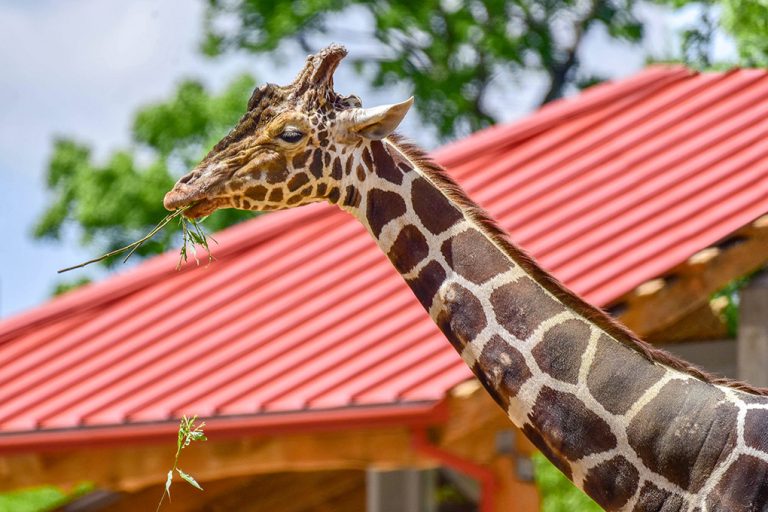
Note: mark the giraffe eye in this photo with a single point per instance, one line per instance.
(291, 135)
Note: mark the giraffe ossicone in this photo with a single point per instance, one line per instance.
(634, 427)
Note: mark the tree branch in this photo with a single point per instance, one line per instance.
(558, 73)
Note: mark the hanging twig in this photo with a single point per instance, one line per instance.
(196, 235)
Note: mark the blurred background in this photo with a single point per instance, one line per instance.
(138, 91)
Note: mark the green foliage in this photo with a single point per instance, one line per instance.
(450, 52)
(39, 499)
(188, 433)
(744, 20)
(728, 297)
(64, 287)
(115, 202)
(747, 22)
(191, 236)
(558, 494)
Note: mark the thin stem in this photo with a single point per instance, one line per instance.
(135, 245)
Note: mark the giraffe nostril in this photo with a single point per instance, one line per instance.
(187, 178)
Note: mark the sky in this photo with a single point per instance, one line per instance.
(81, 68)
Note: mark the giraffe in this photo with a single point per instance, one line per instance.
(634, 427)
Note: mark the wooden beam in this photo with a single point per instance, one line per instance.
(286, 492)
(649, 310)
(134, 467)
(698, 325)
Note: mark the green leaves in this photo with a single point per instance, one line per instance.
(115, 201)
(450, 53)
(188, 433)
(184, 127)
(188, 479)
(168, 482)
(558, 494)
(747, 22)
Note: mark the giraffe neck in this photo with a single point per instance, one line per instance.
(631, 432)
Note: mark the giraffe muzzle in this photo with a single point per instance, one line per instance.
(179, 196)
(197, 207)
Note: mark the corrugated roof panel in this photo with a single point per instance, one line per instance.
(301, 311)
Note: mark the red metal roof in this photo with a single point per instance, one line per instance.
(301, 313)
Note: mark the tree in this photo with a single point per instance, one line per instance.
(115, 202)
(747, 22)
(744, 21)
(451, 52)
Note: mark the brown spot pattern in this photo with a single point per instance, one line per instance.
(521, 306)
(473, 256)
(297, 181)
(425, 285)
(321, 187)
(351, 196)
(257, 193)
(409, 248)
(560, 463)
(360, 172)
(294, 199)
(276, 195)
(502, 370)
(435, 211)
(381, 207)
(348, 166)
(316, 166)
(619, 375)
(461, 317)
(755, 433)
(653, 499)
(301, 159)
(336, 169)
(334, 194)
(384, 164)
(743, 487)
(572, 430)
(276, 176)
(612, 483)
(560, 350)
(367, 159)
(683, 433)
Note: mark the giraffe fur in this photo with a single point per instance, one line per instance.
(636, 428)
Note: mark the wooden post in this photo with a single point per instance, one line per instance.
(753, 332)
(406, 490)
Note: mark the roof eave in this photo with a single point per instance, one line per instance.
(409, 415)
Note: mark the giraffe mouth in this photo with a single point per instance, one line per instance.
(201, 208)
(196, 206)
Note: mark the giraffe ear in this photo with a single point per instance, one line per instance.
(377, 122)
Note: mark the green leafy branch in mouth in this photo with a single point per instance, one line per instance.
(191, 231)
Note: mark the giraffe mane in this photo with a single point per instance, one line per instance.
(597, 316)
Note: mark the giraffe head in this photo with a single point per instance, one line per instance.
(289, 148)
